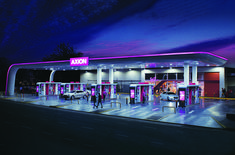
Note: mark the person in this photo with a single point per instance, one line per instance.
(168, 89)
(87, 96)
(94, 99)
(99, 101)
(104, 94)
(223, 92)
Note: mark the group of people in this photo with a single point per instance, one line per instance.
(226, 93)
(99, 100)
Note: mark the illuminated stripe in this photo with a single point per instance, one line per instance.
(106, 111)
(164, 117)
(218, 122)
(219, 98)
(59, 106)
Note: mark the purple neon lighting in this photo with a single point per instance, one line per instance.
(133, 56)
(132, 93)
(7, 79)
(163, 54)
(81, 61)
(182, 95)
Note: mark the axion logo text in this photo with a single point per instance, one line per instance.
(82, 61)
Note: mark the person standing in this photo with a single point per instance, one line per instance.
(87, 96)
(99, 101)
(143, 97)
(94, 99)
(104, 94)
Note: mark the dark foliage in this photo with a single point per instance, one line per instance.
(63, 52)
(4, 64)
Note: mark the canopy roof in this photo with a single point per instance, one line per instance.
(134, 61)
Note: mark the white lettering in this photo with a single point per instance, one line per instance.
(79, 61)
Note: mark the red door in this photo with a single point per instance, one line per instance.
(211, 84)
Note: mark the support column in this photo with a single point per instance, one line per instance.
(52, 75)
(111, 82)
(150, 93)
(142, 75)
(186, 74)
(221, 80)
(194, 74)
(99, 75)
(111, 75)
(10, 81)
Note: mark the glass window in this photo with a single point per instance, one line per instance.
(149, 75)
(180, 76)
(172, 76)
(161, 76)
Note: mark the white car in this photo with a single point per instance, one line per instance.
(75, 94)
(170, 96)
(88, 91)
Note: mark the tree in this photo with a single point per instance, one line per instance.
(62, 52)
(4, 64)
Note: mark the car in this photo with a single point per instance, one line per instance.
(75, 94)
(88, 91)
(170, 96)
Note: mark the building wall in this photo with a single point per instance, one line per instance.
(125, 77)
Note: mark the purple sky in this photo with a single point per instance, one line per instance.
(110, 27)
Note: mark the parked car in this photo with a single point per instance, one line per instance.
(88, 91)
(75, 94)
(170, 96)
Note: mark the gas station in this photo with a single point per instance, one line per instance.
(131, 83)
(139, 65)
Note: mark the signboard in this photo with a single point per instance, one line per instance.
(81, 61)
(182, 95)
(132, 93)
(92, 91)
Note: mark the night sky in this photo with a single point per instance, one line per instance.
(31, 29)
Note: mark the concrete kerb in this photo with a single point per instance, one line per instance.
(116, 102)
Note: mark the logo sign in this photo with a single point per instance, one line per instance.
(82, 61)
(132, 93)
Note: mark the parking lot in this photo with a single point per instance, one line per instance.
(209, 113)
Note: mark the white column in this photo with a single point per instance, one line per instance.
(111, 82)
(150, 93)
(194, 74)
(186, 74)
(99, 75)
(44, 89)
(221, 80)
(52, 75)
(142, 75)
(111, 75)
(10, 83)
(56, 89)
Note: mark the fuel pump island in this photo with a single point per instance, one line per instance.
(141, 92)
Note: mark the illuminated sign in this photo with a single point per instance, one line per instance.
(92, 91)
(62, 90)
(132, 93)
(182, 95)
(82, 61)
